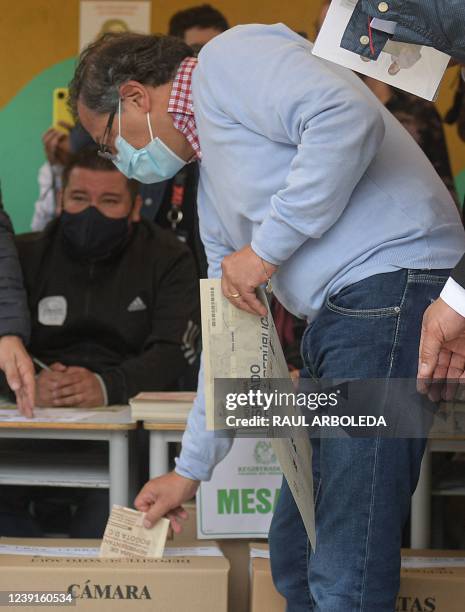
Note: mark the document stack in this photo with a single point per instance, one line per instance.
(163, 407)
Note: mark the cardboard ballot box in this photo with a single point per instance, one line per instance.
(235, 551)
(431, 581)
(189, 526)
(192, 577)
(263, 595)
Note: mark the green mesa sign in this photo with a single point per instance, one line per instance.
(247, 501)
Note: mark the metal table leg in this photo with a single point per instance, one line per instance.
(158, 453)
(119, 468)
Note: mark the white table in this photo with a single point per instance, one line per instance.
(160, 435)
(420, 532)
(112, 424)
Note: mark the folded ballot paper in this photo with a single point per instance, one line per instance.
(126, 537)
(416, 69)
(236, 343)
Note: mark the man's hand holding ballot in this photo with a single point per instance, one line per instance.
(243, 272)
(164, 496)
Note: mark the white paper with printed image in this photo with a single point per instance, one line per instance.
(99, 17)
(416, 69)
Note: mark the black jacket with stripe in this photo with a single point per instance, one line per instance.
(132, 318)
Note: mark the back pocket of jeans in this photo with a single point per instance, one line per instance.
(361, 313)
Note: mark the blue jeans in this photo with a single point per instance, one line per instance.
(363, 486)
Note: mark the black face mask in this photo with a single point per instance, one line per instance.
(91, 235)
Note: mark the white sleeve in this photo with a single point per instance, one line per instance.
(201, 450)
(453, 295)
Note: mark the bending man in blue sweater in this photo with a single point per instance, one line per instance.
(304, 176)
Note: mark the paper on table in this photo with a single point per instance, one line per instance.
(49, 551)
(125, 535)
(419, 70)
(44, 415)
(233, 341)
(61, 415)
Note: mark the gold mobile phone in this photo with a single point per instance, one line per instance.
(61, 111)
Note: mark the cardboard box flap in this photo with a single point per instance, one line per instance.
(32, 552)
(263, 594)
(259, 554)
(259, 550)
(53, 542)
(428, 552)
(437, 562)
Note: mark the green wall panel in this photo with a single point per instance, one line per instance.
(22, 122)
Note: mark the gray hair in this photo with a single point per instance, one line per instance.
(114, 59)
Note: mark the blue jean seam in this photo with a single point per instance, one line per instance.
(306, 573)
(370, 514)
(427, 281)
(305, 354)
(422, 276)
(396, 334)
(370, 520)
(310, 598)
(317, 491)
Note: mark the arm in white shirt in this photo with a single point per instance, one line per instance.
(453, 295)
(201, 449)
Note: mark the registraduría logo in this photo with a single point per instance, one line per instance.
(262, 461)
(264, 453)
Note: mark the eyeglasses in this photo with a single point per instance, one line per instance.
(104, 150)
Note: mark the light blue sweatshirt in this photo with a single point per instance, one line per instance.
(300, 160)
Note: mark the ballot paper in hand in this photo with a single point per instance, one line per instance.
(413, 68)
(233, 342)
(125, 535)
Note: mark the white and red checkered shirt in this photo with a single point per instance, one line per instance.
(180, 104)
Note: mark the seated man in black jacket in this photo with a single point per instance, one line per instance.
(113, 298)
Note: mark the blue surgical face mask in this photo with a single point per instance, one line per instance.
(154, 163)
